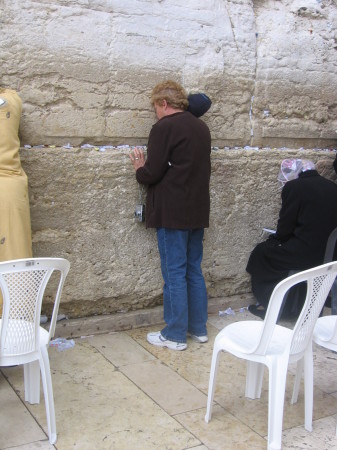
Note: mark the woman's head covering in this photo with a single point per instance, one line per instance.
(291, 168)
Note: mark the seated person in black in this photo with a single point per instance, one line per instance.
(307, 217)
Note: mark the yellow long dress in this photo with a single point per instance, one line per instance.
(15, 226)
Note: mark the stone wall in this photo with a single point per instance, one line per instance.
(82, 205)
(85, 68)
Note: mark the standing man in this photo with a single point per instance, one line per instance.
(177, 172)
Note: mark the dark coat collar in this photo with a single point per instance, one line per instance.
(308, 173)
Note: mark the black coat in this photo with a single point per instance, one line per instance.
(307, 217)
(177, 172)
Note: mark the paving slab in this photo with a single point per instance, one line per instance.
(18, 426)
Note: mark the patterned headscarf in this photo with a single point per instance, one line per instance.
(291, 168)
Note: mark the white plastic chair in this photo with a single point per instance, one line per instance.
(22, 339)
(268, 344)
(325, 332)
(329, 256)
(325, 335)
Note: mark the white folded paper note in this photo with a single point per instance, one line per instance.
(268, 230)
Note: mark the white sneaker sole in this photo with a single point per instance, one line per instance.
(199, 339)
(160, 341)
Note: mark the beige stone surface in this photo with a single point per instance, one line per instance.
(149, 377)
(120, 349)
(224, 431)
(82, 208)
(17, 425)
(85, 68)
(322, 436)
(39, 445)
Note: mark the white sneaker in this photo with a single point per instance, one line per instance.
(199, 339)
(157, 339)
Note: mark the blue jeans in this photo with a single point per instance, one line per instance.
(185, 296)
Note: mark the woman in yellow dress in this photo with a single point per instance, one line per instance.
(15, 227)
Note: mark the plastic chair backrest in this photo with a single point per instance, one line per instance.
(319, 281)
(318, 289)
(23, 283)
(330, 246)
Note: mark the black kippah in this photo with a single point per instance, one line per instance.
(199, 104)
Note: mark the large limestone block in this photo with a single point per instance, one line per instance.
(85, 69)
(296, 82)
(82, 207)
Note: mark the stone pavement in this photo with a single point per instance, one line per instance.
(115, 391)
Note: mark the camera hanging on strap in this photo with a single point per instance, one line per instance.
(140, 208)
